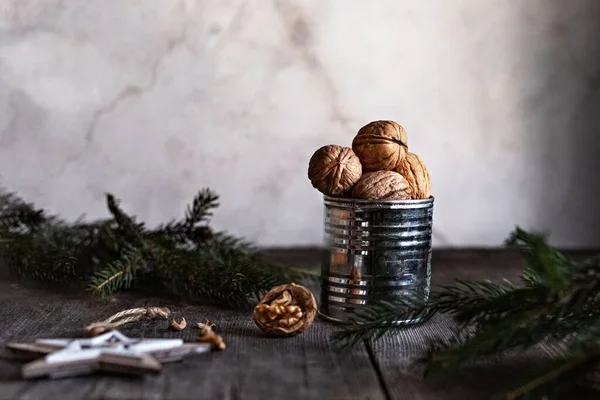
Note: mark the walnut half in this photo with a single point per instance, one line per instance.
(286, 310)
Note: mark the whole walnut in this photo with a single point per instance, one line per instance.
(286, 310)
(413, 169)
(333, 170)
(382, 185)
(380, 145)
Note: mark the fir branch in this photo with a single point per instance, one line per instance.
(17, 214)
(184, 258)
(556, 377)
(530, 322)
(545, 266)
(383, 318)
(118, 274)
(227, 240)
(130, 231)
(558, 301)
(200, 211)
(193, 228)
(465, 299)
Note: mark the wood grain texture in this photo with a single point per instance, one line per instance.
(403, 374)
(253, 365)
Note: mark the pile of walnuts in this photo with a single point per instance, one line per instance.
(377, 167)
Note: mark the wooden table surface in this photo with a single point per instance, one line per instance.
(255, 366)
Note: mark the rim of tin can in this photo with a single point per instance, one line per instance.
(351, 200)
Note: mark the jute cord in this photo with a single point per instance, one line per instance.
(125, 317)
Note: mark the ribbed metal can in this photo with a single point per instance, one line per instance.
(375, 250)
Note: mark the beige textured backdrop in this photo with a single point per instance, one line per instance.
(151, 100)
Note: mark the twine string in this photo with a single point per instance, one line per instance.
(125, 317)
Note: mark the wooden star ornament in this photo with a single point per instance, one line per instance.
(110, 352)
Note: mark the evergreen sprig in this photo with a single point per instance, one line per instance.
(184, 257)
(556, 302)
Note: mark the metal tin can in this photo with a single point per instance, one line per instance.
(375, 250)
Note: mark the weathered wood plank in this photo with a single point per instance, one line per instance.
(257, 366)
(27, 314)
(253, 365)
(396, 355)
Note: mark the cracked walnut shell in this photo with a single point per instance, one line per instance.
(380, 145)
(333, 170)
(414, 170)
(382, 185)
(286, 310)
(178, 326)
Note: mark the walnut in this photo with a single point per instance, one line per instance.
(414, 170)
(380, 145)
(382, 185)
(286, 310)
(333, 170)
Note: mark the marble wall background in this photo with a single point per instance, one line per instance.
(152, 100)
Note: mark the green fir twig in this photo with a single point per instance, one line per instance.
(184, 257)
(557, 302)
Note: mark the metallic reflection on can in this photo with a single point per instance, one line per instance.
(376, 250)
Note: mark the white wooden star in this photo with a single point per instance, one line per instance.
(111, 351)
